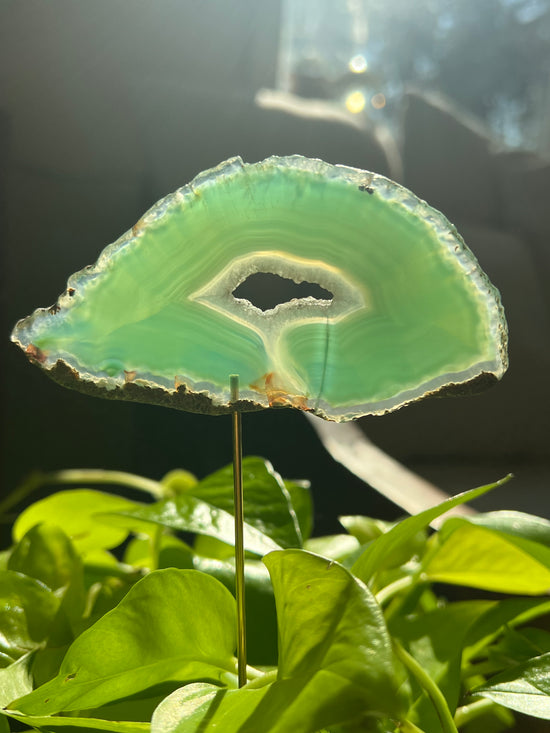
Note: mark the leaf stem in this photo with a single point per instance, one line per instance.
(264, 680)
(252, 673)
(414, 590)
(467, 713)
(389, 591)
(86, 476)
(426, 682)
(20, 492)
(479, 647)
(405, 726)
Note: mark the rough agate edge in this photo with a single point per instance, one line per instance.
(314, 244)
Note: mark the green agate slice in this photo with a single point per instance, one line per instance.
(155, 319)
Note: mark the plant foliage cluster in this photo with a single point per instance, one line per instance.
(345, 633)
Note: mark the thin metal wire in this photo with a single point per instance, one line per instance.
(239, 546)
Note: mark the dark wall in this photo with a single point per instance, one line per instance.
(105, 108)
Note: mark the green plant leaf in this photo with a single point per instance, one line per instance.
(76, 512)
(518, 524)
(46, 664)
(364, 528)
(45, 553)
(375, 557)
(204, 707)
(16, 680)
(173, 553)
(526, 531)
(336, 547)
(300, 498)
(261, 617)
(4, 558)
(508, 612)
(267, 505)
(66, 724)
(139, 707)
(336, 662)
(519, 646)
(28, 609)
(524, 688)
(174, 625)
(5, 660)
(211, 547)
(330, 630)
(109, 589)
(101, 565)
(483, 558)
(190, 514)
(178, 482)
(373, 725)
(435, 640)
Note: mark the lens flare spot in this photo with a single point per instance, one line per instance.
(355, 102)
(378, 101)
(358, 64)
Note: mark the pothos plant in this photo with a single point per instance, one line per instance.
(345, 633)
(112, 620)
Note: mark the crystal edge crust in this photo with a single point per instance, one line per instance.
(185, 399)
(202, 403)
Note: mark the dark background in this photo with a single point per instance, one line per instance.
(107, 106)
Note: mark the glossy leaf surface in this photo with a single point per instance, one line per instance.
(267, 503)
(483, 558)
(173, 625)
(190, 514)
(517, 524)
(525, 688)
(65, 724)
(379, 553)
(323, 654)
(16, 680)
(46, 553)
(76, 513)
(28, 610)
(205, 707)
(331, 631)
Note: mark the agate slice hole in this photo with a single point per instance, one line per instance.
(266, 291)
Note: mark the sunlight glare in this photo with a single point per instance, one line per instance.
(355, 102)
(358, 64)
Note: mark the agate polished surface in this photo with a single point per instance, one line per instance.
(155, 319)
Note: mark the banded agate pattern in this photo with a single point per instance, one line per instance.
(155, 319)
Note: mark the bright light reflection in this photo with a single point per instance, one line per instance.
(378, 101)
(358, 64)
(355, 102)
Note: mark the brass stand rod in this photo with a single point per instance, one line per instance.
(239, 519)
